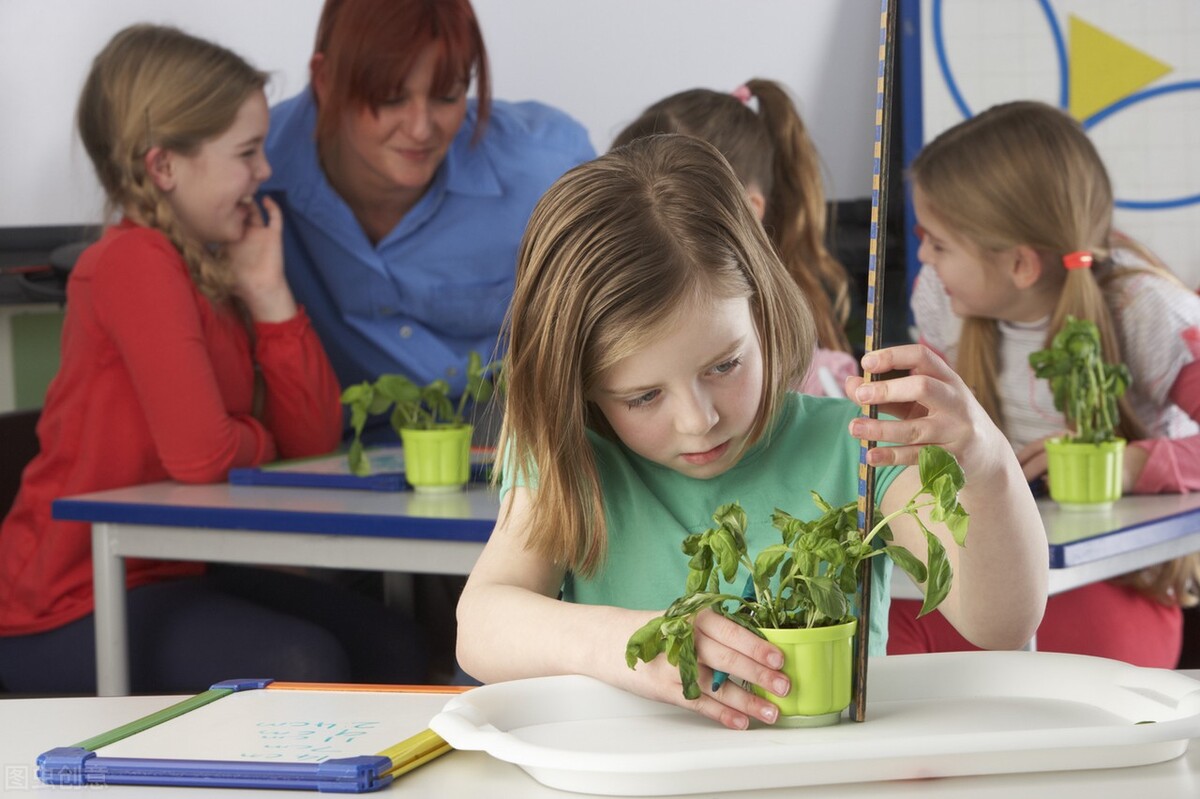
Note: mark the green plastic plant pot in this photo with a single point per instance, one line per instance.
(1085, 476)
(437, 460)
(819, 662)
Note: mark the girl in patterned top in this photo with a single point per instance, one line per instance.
(1015, 216)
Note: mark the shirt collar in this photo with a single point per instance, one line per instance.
(468, 169)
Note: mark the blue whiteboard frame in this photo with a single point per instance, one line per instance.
(80, 765)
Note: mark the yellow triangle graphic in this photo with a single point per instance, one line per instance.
(1105, 69)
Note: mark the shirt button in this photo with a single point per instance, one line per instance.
(405, 332)
(451, 371)
(386, 310)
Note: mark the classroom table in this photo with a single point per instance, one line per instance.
(29, 727)
(444, 534)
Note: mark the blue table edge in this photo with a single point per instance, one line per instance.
(273, 520)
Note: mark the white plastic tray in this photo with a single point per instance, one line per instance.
(927, 716)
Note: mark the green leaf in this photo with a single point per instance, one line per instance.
(358, 419)
(956, 522)
(357, 459)
(1084, 386)
(940, 474)
(768, 561)
(727, 552)
(908, 562)
(940, 575)
(396, 388)
(731, 517)
(820, 502)
(689, 669)
(787, 525)
(359, 393)
(827, 597)
(646, 644)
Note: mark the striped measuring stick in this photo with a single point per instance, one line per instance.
(874, 325)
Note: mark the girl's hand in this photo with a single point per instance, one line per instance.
(722, 645)
(257, 263)
(1132, 464)
(932, 405)
(1034, 462)
(1032, 457)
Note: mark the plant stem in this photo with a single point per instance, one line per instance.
(912, 507)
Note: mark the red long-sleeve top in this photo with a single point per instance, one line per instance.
(156, 383)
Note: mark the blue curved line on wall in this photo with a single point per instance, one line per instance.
(1134, 99)
(1060, 52)
(939, 47)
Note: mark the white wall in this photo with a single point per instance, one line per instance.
(600, 60)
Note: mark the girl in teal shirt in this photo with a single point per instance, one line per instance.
(652, 337)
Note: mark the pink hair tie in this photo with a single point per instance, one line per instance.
(1078, 260)
(742, 93)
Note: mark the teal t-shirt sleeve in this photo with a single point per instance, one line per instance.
(884, 477)
(508, 475)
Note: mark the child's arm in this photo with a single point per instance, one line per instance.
(302, 407)
(512, 625)
(1166, 465)
(999, 589)
(1153, 465)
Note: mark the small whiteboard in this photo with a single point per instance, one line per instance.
(261, 734)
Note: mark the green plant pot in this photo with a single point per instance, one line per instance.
(1085, 476)
(437, 460)
(819, 662)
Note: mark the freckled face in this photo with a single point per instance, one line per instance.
(976, 286)
(689, 399)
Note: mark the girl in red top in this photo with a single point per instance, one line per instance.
(184, 354)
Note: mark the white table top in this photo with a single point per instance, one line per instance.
(29, 727)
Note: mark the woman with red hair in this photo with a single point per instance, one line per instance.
(404, 200)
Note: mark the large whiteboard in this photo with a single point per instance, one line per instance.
(1130, 71)
(600, 60)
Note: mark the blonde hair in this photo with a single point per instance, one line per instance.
(1026, 174)
(613, 251)
(770, 149)
(155, 86)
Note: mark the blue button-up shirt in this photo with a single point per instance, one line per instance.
(438, 285)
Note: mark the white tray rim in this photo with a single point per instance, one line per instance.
(487, 719)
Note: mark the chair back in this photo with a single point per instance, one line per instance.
(18, 445)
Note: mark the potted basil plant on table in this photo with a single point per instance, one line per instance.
(432, 429)
(1084, 468)
(799, 593)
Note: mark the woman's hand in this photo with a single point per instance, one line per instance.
(721, 645)
(257, 263)
(932, 405)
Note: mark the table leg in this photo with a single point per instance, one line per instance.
(112, 640)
